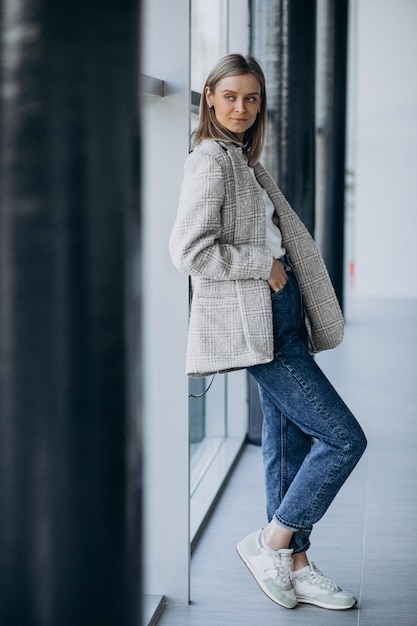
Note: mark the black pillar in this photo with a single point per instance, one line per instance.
(283, 39)
(70, 472)
(331, 136)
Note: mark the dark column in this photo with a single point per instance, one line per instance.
(331, 136)
(283, 39)
(70, 478)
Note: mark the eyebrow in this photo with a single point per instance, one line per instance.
(252, 93)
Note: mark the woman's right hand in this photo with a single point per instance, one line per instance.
(278, 276)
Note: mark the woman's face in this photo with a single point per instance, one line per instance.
(236, 102)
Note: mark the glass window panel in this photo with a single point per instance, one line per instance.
(209, 35)
(212, 450)
(207, 424)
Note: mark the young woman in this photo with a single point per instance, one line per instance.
(262, 299)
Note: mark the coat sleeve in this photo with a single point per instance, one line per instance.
(196, 244)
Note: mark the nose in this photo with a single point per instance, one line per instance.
(240, 104)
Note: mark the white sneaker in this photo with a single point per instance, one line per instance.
(271, 569)
(311, 587)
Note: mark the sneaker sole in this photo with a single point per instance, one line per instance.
(323, 605)
(259, 583)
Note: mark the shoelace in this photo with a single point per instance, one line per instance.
(283, 569)
(317, 577)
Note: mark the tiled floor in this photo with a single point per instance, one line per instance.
(368, 539)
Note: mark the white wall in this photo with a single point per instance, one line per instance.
(384, 234)
(165, 123)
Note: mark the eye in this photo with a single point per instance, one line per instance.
(251, 98)
(229, 97)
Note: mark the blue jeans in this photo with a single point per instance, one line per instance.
(310, 440)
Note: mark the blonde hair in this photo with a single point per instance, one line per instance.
(209, 127)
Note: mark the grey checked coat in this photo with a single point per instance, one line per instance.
(219, 240)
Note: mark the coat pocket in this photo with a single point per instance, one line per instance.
(227, 328)
(256, 309)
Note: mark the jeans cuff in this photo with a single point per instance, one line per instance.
(294, 544)
(290, 526)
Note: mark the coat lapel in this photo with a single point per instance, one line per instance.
(324, 319)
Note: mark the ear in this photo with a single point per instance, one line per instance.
(208, 95)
